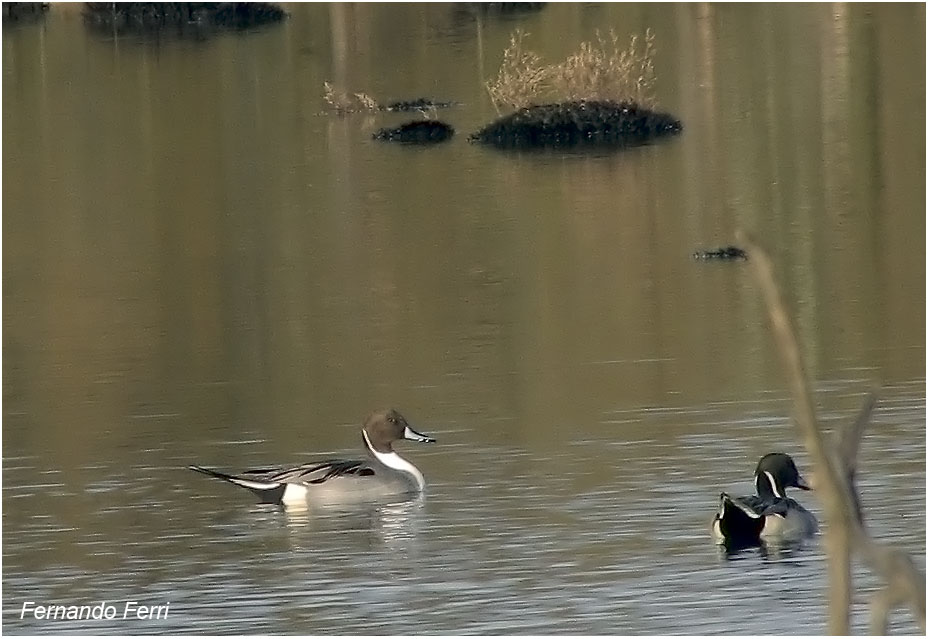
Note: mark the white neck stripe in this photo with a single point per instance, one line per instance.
(364, 434)
(773, 485)
(395, 462)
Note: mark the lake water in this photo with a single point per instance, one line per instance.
(200, 266)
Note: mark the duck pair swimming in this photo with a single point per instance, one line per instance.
(740, 521)
(769, 516)
(385, 473)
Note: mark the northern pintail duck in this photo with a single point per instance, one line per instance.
(770, 515)
(384, 473)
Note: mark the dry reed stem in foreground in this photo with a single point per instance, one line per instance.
(904, 582)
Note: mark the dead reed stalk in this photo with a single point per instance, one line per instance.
(836, 470)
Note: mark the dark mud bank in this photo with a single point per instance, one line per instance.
(417, 132)
(23, 12)
(180, 18)
(582, 123)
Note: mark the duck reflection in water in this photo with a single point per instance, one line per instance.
(394, 525)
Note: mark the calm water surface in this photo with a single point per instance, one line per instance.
(200, 267)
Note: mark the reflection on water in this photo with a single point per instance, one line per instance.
(197, 266)
(769, 550)
(394, 526)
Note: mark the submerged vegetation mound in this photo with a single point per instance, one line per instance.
(601, 95)
(179, 17)
(567, 124)
(417, 132)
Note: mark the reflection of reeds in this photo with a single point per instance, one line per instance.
(601, 70)
(835, 466)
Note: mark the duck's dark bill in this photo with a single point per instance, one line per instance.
(409, 433)
(802, 485)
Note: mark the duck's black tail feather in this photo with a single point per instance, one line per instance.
(738, 524)
(267, 492)
(212, 473)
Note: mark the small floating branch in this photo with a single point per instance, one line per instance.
(724, 253)
(343, 102)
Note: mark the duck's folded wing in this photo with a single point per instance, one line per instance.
(750, 506)
(768, 507)
(270, 484)
(312, 473)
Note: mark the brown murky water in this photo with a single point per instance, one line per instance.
(200, 268)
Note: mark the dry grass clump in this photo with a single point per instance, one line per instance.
(606, 71)
(343, 102)
(601, 70)
(521, 78)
